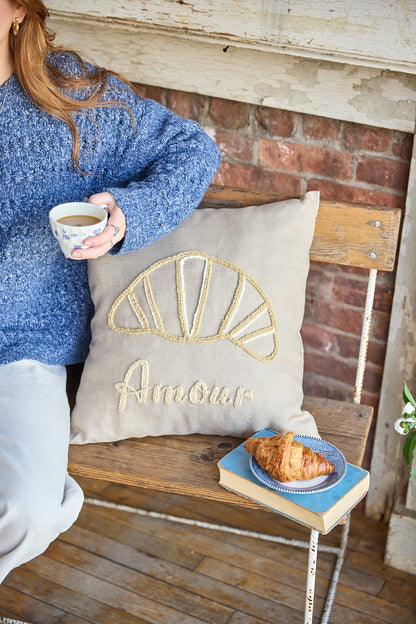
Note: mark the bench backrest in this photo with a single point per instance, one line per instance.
(349, 234)
(346, 233)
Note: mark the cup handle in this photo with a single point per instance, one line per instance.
(105, 206)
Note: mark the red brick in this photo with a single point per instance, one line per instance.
(383, 299)
(228, 114)
(317, 337)
(321, 128)
(320, 283)
(250, 176)
(402, 145)
(281, 183)
(380, 326)
(329, 366)
(281, 155)
(231, 174)
(326, 388)
(329, 163)
(188, 105)
(334, 316)
(326, 267)
(357, 271)
(335, 191)
(386, 279)
(388, 173)
(275, 122)
(305, 158)
(350, 291)
(367, 138)
(376, 352)
(372, 379)
(371, 400)
(234, 145)
(148, 91)
(353, 292)
(349, 347)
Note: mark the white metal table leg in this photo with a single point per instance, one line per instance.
(310, 584)
(335, 576)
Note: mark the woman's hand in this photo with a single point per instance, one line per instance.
(113, 232)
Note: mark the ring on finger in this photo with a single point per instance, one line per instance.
(111, 244)
(116, 229)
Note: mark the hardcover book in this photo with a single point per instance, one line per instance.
(320, 510)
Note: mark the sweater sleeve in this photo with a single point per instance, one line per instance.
(169, 163)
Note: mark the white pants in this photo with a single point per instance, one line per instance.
(38, 499)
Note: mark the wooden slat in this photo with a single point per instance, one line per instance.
(346, 233)
(188, 464)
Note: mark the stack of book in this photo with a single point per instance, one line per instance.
(320, 510)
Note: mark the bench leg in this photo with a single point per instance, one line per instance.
(312, 562)
(337, 570)
(310, 584)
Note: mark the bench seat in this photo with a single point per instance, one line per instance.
(187, 465)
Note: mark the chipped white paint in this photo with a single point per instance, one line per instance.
(389, 471)
(401, 545)
(378, 33)
(393, 492)
(410, 501)
(364, 95)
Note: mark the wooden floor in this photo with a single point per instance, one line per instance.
(114, 567)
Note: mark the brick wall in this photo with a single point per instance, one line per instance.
(291, 153)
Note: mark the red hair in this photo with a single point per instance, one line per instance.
(43, 83)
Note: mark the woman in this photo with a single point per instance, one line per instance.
(67, 131)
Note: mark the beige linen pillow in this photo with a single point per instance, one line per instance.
(200, 331)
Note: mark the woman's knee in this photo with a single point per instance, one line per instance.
(39, 513)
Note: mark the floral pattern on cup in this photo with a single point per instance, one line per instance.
(72, 237)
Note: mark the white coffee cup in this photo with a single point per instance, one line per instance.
(73, 222)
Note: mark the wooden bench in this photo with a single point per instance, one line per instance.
(346, 233)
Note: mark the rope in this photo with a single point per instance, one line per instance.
(365, 333)
(208, 525)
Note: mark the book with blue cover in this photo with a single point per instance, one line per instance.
(320, 510)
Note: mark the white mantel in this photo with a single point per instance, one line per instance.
(344, 59)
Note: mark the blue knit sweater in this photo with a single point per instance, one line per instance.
(157, 169)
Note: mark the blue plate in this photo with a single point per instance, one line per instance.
(319, 484)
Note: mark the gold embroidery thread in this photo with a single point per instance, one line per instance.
(198, 393)
(191, 331)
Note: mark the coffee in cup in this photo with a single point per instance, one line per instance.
(79, 220)
(73, 222)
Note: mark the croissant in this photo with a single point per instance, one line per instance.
(286, 459)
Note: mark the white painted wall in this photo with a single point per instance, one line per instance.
(343, 59)
(379, 32)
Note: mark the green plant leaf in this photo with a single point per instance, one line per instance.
(407, 396)
(413, 474)
(409, 446)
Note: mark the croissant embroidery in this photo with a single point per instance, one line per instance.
(195, 297)
(286, 459)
